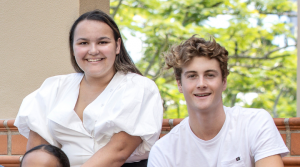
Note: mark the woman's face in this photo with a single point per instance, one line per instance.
(95, 48)
(39, 158)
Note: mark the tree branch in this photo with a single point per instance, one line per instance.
(276, 102)
(159, 71)
(116, 8)
(288, 14)
(258, 58)
(152, 61)
(233, 99)
(266, 56)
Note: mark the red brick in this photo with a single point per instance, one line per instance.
(18, 144)
(11, 126)
(10, 161)
(295, 144)
(3, 145)
(2, 127)
(283, 137)
(294, 123)
(161, 135)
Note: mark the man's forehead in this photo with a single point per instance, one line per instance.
(201, 64)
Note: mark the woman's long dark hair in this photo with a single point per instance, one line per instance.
(52, 150)
(123, 62)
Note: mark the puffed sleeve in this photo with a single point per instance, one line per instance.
(266, 139)
(136, 109)
(34, 109)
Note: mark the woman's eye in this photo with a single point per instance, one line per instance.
(103, 42)
(82, 43)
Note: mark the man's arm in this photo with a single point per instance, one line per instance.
(115, 152)
(271, 161)
(34, 139)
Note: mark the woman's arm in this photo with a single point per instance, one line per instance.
(115, 152)
(34, 139)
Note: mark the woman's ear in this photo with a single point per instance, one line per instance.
(118, 46)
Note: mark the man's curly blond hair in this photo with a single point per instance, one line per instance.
(179, 55)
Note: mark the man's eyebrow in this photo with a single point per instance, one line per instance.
(215, 71)
(188, 72)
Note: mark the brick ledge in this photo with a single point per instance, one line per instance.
(15, 161)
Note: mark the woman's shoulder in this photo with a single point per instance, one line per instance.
(70, 76)
(59, 79)
(140, 81)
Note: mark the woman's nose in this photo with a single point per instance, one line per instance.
(93, 50)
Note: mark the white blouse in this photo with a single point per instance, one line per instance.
(130, 103)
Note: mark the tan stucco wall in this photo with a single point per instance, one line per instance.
(33, 45)
(88, 5)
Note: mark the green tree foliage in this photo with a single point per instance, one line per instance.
(257, 63)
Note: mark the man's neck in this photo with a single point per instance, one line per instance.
(206, 125)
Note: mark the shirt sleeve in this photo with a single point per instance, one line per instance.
(139, 112)
(265, 139)
(34, 109)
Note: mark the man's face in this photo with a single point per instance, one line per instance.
(202, 84)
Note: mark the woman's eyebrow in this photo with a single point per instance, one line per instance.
(85, 39)
(101, 38)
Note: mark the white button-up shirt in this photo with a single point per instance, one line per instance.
(130, 103)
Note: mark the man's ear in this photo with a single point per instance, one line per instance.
(224, 84)
(179, 86)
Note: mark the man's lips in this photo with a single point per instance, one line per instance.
(202, 94)
(94, 60)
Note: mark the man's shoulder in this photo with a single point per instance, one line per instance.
(246, 113)
(174, 136)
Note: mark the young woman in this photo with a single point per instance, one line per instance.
(45, 156)
(107, 113)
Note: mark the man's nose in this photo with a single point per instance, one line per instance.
(201, 83)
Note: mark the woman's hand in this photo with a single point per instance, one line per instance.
(34, 139)
(115, 152)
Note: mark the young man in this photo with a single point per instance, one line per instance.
(214, 135)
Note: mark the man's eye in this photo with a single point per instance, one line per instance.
(191, 76)
(210, 75)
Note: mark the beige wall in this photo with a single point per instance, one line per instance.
(34, 45)
(88, 5)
